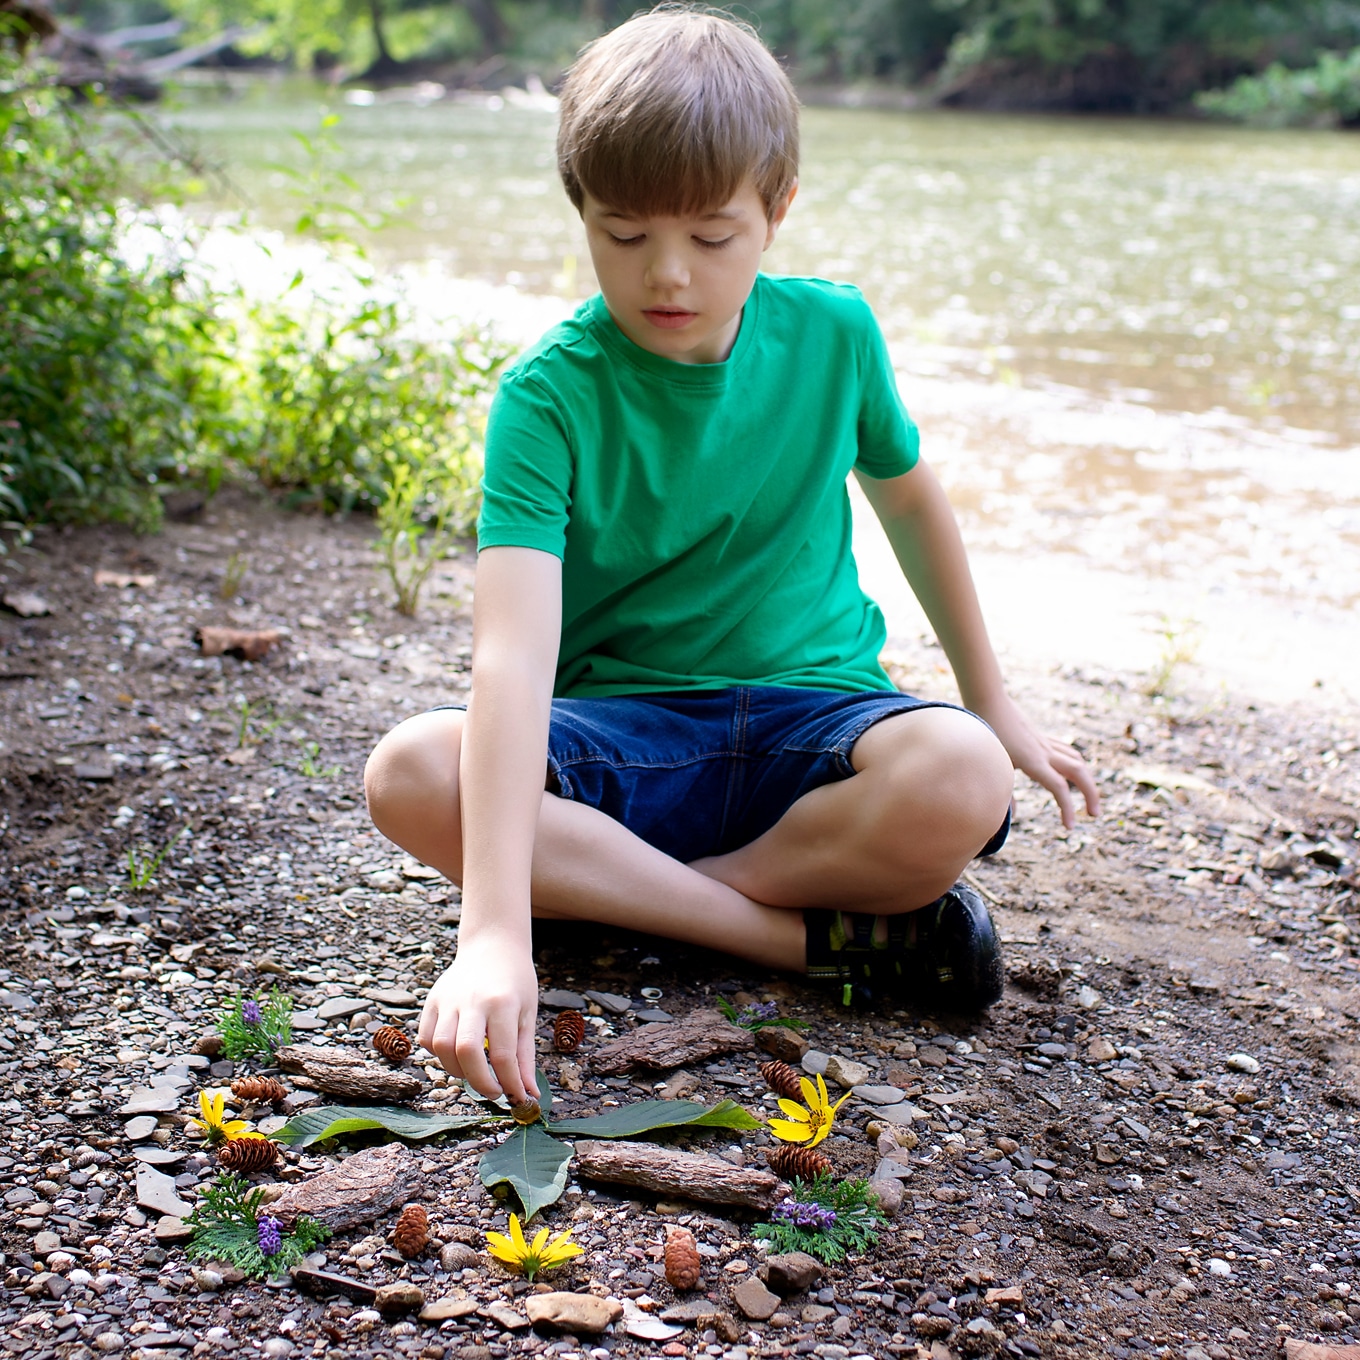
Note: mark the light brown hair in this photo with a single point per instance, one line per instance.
(671, 112)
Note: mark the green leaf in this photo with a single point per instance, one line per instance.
(330, 1121)
(534, 1166)
(646, 1115)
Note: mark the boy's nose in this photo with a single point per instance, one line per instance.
(667, 271)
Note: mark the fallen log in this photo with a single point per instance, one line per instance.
(701, 1034)
(342, 1072)
(685, 1175)
(363, 1187)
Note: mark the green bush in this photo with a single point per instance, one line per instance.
(1325, 95)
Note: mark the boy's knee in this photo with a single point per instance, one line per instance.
(414, 768)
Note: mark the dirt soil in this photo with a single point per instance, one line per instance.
(1150, 1145)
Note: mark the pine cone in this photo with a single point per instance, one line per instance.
(568, 1030)
(412, 1233)
(683, 1264)
(782, 1079)
(262, 1090)
(247, 1154)
(791, 1162)
(392, 1042)
(527, 1113)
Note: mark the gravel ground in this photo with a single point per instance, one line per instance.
(1148, 1148)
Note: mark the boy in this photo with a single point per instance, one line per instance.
(667, 612)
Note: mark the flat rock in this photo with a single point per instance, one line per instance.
(142, 1127)
(793, 1272)
(151, 1100)
(814, 1062)
(506, 1318)
(392, 996)
(900, 1114)
(644, 1326)
(156, 1191)
(559, 999)
(754, 1300)
(611, 1002)
(307, 1021)
(328, 1282)
(691, 1310)
(654, 1016)
(879, 1095)
(1101, 1050)
(17, 1001)
(392, 1300)
(441, 1310)
(340, 1007)
(889, 1169)
(45, 1243)
(888, 1192)
(159, 1156)
(171, 1230)
(577, 1313)
(781, 1042)
(846, 1073)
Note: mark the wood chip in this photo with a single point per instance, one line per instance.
(686, 1175)
(701, 1034)
(363, 1187)
(340, 1072)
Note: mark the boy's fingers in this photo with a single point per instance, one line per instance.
(503, 1032)
(527, 1064)
(472, 1059)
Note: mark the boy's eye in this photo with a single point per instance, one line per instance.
(624, 240)
(713, 245)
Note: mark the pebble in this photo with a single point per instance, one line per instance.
(278, 1348)
(754, 1300)
(559, 999)
(1243, 1062)
(611, 1002)
(392, 1300)
(45, 1243)
(458, 1256)
(157, 1191)
(1101, 1050)
(151, 1100)
(397, 998)
(644, 1326)
(172, 1229)
(1088, 998)
(441, 1310)
(889, 1194)
(814, 1062)
(577, 1313)
(792, 1272)
(846, 1073)
(210, 1281)
(339, 1007)
(879, 1095)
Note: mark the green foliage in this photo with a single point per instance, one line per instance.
(445, 490)
(243, 1037)
(645, 1116)
(225, 1227)
(143, 864)
(333, 1121)
(853, 1232)
(1324, 95)
(308, 767)
(532, 1164)
(113, 382)
(761, 1015)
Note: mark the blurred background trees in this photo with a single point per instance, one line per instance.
(1106, 55)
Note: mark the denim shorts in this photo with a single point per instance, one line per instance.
(699, 773)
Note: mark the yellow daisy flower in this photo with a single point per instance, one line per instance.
(811, 1124)
(213, 1127)
(531, 1257)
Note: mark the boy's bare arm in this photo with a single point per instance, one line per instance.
(490, 992)
(920, 525)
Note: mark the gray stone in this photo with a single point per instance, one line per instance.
(645, 1326)
(307, 1021)
(441, 1310)
(176, 1081)
(567, 1312)
(1088, 998)
(171, 1230)
(45, 1243)
(754, 1300)
(900, 1114)
(816, 1313)
(559, 999)
(846, 1073)
(879, 1095)
(397, 997)
(888, 1192)
(1243, 1062)
(156, 1191)
(458, 1256)
(276, 1348)
(691, 1310)
(652, 1016)
(814, 1062)
(793, 1272)
(151, 1100)
(142, 1127)
(889, 1169)
(611, 1002)
(159, 1156)
(17, 1001)
(339, 1007)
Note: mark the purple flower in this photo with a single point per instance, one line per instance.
(270, 1235)
(250, 1012)
(758, 1011)
(812, 1216)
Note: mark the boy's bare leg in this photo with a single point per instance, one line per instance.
(931, 787)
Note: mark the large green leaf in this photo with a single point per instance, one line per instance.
(501, 1106)
(330, 1121)
(643, 1116)
(534, 1165)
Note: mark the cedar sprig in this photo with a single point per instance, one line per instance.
(256, 1026)
(827, 1219)
(759, 1015)
(226, 1226)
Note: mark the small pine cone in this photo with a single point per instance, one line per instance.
(568, 1030)
(782, 1079)
(529, 1112)
(392, 1043)
(791, 1162)
(412, 1233)
(683, 1264)
(262, 1090)
(248, 1154)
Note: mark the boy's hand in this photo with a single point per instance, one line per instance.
(479, 1020)
(1048, 761)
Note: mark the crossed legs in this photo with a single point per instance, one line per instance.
(930, 789)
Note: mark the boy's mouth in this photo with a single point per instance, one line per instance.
(668, 318)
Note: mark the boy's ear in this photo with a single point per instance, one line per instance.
(779, 212)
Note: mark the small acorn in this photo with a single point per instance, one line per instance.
(392, 1043)
(261, 1090)
(683, 1263)
(412, 1233)
(247, 1154)
(782, 1079)
(797, 1163)
(568, 1030)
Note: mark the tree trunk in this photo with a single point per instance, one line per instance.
(489, 23)
(375, 15)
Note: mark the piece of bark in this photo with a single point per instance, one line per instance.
(341, 1072)
(248, 644)
(1307, 1350)
(684, 1175)
(701, 1034)
(363, 1187)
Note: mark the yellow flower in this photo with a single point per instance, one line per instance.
(808, 1125)
(213, 1127)
(531, 1257)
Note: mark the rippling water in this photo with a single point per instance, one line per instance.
(1135, 342)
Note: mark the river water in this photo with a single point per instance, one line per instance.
(1133, 346)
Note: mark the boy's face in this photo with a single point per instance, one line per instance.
(676, 285)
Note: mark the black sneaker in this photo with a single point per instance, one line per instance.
(952, 961)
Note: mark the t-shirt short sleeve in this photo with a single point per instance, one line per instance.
(889, 442)
(526, 487)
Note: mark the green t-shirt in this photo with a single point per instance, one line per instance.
(700, 510)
